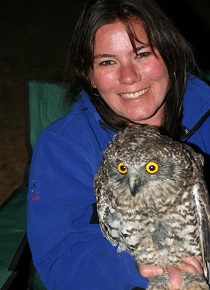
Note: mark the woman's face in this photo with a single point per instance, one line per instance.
(134, 86)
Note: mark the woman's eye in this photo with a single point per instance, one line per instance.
(152, 167)
(106, 63)
(143, 54)
(122, 168)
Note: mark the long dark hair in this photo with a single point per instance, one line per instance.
(162, 34)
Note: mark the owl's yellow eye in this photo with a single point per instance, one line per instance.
(152, 167)
(122, 168)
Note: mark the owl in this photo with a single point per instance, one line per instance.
(152, 202)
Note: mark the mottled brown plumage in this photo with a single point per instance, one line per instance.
(152, 201)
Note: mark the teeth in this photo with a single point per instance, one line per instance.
(135, 95)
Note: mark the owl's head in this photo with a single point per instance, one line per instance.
(140, 157)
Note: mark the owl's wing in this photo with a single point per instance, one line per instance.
(202, 208)
(113, 237)
(200, 195)
(103, 205)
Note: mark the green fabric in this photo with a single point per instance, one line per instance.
(46, 104)
(12, 226)
(12, 229)
(4, 277)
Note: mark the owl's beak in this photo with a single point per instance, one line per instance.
(133, 184)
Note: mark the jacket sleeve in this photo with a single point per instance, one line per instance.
(69, 252)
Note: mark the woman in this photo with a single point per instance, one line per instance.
(133, 67)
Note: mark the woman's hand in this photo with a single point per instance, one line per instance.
(190, 264)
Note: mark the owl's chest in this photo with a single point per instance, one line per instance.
(161, 225)
(144, 212)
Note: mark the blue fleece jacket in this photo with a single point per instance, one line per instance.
(69, 251)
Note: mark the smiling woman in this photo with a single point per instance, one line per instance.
(132, 79)
(132, 66)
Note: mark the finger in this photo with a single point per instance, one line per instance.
(191, 264)
(150, 271)
(175, 278)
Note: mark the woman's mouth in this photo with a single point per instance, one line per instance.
(135, 95)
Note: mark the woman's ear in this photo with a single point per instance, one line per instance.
(92, 83)
(91, 80)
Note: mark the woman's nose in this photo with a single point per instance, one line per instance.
(129, 74)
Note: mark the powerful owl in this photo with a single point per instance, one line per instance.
(152, 201)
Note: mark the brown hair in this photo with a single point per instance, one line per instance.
(162, 34)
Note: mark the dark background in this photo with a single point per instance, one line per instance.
(34, 37)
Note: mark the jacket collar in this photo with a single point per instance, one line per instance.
(196, 105)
